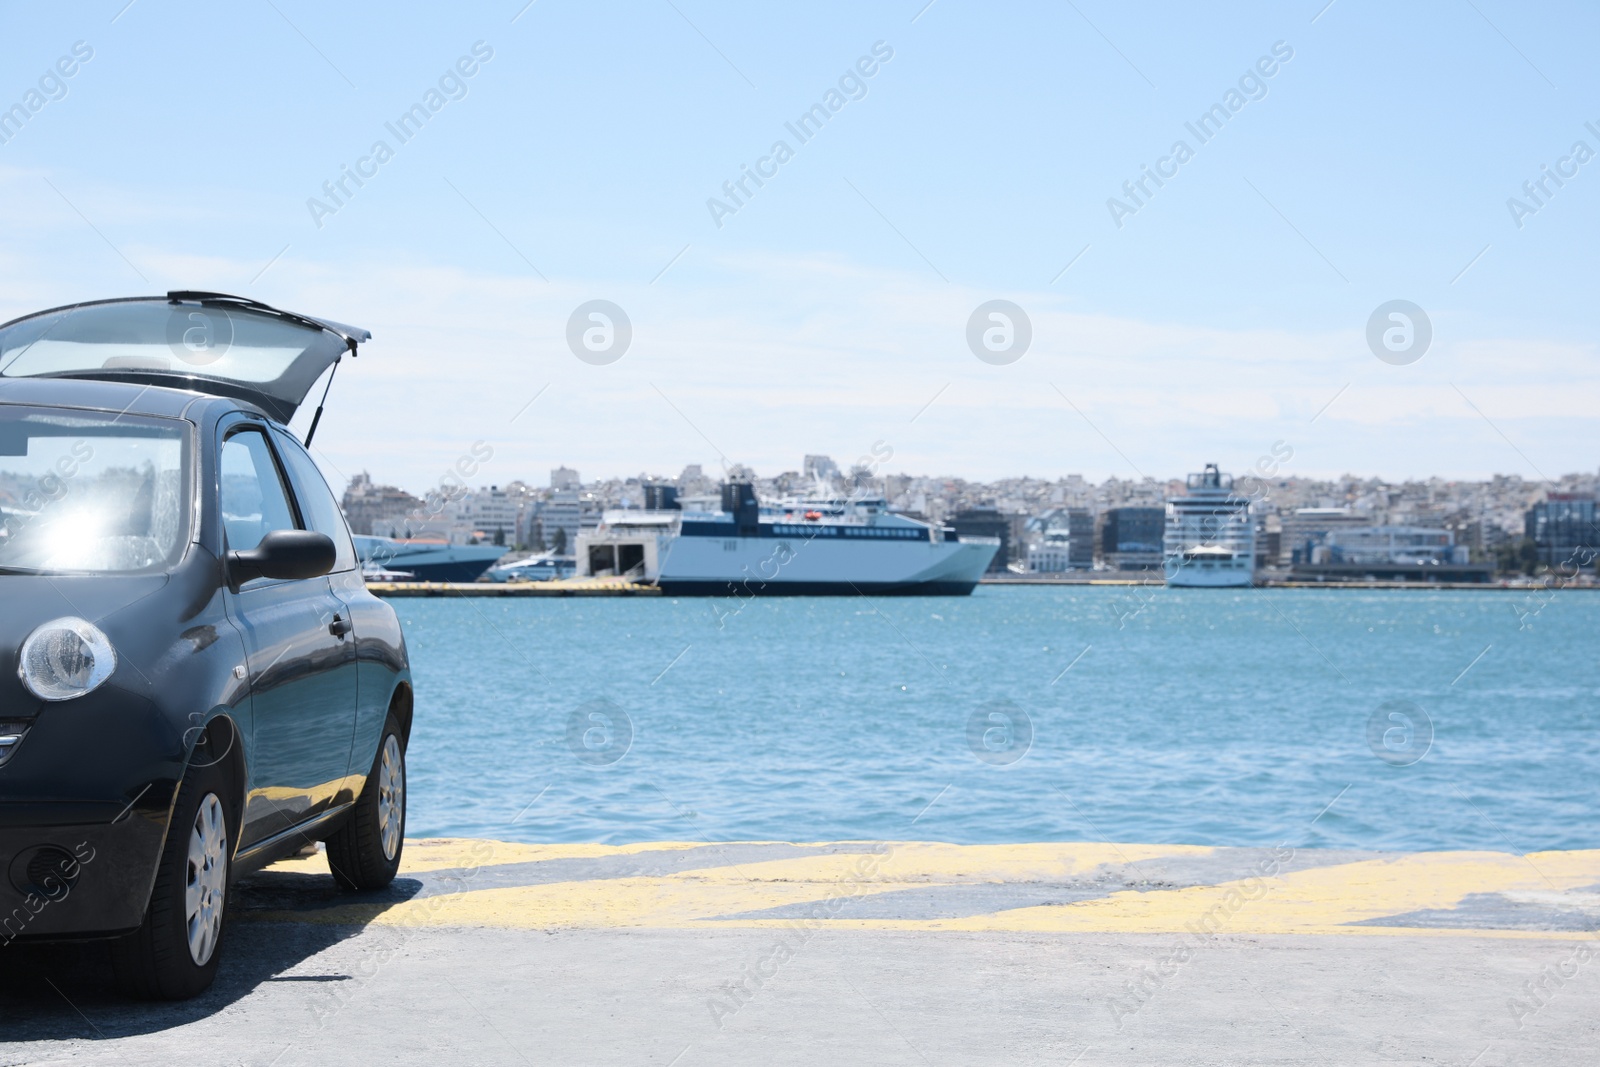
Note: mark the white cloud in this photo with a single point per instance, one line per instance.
(771, 357)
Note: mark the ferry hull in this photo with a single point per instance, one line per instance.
(1196, 578)
(429, 562)
(755, 587)
(455, 571)
(768, 566)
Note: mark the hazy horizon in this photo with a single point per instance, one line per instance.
(540, 479)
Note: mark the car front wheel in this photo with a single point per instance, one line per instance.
(174, 955)
(365, 852)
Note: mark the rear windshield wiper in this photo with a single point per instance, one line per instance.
(195, 296)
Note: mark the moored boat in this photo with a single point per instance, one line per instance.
(1210, 540)
(845, 546)
(427, 561)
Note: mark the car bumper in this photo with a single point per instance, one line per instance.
(78, 869)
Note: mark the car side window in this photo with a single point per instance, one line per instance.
(317, 504)
(255, 502)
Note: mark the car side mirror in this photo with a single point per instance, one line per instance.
(287, 554)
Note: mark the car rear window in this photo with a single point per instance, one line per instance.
(207, 342)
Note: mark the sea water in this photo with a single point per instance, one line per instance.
(1394, 719)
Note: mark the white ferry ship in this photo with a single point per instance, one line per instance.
(1210, 539)
(811, 547)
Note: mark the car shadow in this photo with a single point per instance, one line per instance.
(66, 991)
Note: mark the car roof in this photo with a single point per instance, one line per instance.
(127, 398)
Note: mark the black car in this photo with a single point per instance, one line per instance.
(196, 681)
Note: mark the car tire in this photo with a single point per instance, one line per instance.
(174, 954)
(364, 854)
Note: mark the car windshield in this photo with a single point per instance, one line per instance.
(89, 492)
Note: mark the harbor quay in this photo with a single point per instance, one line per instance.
(604, 587)
(557, 588)
(895, 952)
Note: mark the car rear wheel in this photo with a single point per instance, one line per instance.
(365, 852)
(174, 955)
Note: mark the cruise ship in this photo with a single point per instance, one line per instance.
(1210, 539)
(426, 561)
(801, 547)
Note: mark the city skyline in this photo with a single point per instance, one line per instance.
(712, 475)
(1486, 513)
(1341, 529)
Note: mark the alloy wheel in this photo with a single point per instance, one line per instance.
(205, 888)
(391, 796)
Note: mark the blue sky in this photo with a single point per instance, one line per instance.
(1226, 315)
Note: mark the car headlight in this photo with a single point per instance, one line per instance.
(65, 659)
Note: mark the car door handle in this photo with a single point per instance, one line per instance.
(339, 627)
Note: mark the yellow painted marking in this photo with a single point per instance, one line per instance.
(689, 898)
(671, 901)
(425, 854)
(1320, 900)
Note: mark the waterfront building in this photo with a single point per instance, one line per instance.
(1269, 540)
(487, 514)
(1389, 544)
(1131, 537)
(1564, 530)
(1392, 553)
(1209, 539)
(1080, 528)
(564, 479)
(986, 521)
(366, 503)
(1306, 528)
(1077, 524)
(565, 515)
(1053, 555)
(820, 469)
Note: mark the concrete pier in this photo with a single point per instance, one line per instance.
(557, 587)
(852, 952)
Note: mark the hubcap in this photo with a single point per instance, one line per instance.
(391, 797)
(206, 886)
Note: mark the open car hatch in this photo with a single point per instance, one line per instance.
(208, 342)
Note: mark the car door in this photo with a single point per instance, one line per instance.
(320, 511)
(299, 656)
